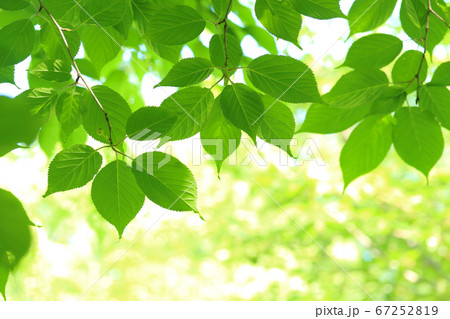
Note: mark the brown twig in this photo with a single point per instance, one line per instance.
(439, 17)
(79, 75)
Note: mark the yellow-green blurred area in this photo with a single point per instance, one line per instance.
(272, 232)
(389, 231)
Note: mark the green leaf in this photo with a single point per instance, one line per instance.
(406, 68)
(220, 7)
(53, 44)
(175, 25)
(116, 195)
(217, 51)
(72, 168)
(15, 236)
(188, 72)
(318, 9)
(284, 78)
(389, 101)
(103, 12)
(149, 123)
(101, 47)
(366, 147)
(169, 52)
(219, 137)
(7, 74)
(417, 139)
(41, 100)
(64, 10)
(416, 12)
(17, 123)
(49, 136)
(69, 110)
(278, 124)
(192, 107)
(166, 181)
(366, 15)
(57, 70)
(375, 50)
(324, 119)
(17, 41)
(437, 28)
(13, 5)
(4, 273)
(437, 100)
(94, 119)
(87, 68)
(357, 88)
(279, 19)
(243, 107)
(442, 75)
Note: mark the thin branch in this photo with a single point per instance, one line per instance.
(225, 29)
(439, 17)
(425, 41)
(79, 75)
(217, 82)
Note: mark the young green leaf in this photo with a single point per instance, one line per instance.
(243, 107)
(324, 119)
(116, 195)
(406, 67)
(175, 25)
(15, 235)
(101, 47)
(191, 106)
(284, 78)
(103, 12)
(219, 137)
(375, 50)
(366, 147)
(417, 139)
(279, 19)
(149, 123)
(442, 75)
(166, 181)
(94, 119)
(64, 10)
(318, 9)
(72, 168)
(188, 72)
(217, 51)
(366, 15)
(69, 111)
(357, 88)
(57, 70)
(437, 100)
(7, 74)
(17, 41)
(278, 124)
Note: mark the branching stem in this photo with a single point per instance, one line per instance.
(79, 75)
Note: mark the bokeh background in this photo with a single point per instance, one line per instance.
(389, 230)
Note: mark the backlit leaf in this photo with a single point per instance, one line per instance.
(17, 41)
(437, 100)
(284, 78)
(72, 168)
(217, 51)
(366, 15)
(166, 181)
(57, 70)
(366, 147)
(319, 9)
(116, 195)
(417, 139)
(103, 12)
(406, 68)
(188, 72)
(149, 123)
